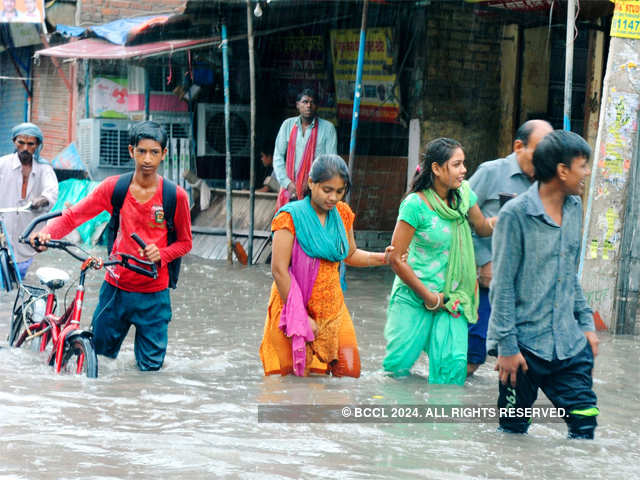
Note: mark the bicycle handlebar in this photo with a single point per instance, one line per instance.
(138, 240)
(124, 259)
(24, 238)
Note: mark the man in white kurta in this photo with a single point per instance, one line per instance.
(25, 178)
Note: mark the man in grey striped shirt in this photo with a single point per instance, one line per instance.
(541, 327)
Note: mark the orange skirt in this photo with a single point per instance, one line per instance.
(335, 349)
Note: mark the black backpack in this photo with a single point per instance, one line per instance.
(169, 194)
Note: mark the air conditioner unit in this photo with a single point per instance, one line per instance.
(211, 132)
(177, 125)
(104, 143)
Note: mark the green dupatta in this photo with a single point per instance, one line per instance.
(461, 281)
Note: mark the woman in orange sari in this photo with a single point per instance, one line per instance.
(308, 327)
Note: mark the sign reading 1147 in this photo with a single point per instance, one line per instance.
(626, 19)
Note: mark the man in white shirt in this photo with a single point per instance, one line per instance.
(300, 140)
(25, 178)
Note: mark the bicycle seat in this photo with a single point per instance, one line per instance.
(52, 277)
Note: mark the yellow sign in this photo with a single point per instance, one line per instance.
(379, 101)
(626, 19)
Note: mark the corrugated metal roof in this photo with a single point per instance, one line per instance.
(101, 49)
(214, 246)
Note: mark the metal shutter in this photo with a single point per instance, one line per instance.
(13, 97)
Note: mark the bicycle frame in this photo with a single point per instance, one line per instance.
(59, 328)
(67, 338)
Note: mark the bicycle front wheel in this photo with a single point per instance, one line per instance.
(15, 327)
(79, 357)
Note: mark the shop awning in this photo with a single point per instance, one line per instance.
(97, 49)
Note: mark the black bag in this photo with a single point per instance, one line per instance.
(169, 195)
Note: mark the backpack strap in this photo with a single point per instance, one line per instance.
(169, 199)
(120, 191)
(117, 199)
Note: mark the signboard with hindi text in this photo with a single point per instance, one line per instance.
(298, 61)
(380, 98)
(21, 11)
(517, 5)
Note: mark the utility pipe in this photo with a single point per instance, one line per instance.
(358, 86)
(568, 63)
(252, 150)
(227, 133)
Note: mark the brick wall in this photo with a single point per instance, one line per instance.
(101, 11)
(51, 106)
(462, 80)
(378, 186)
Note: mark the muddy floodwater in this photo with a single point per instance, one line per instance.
(198, 416)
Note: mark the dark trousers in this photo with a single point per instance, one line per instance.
(567, 383)
(477, 350)
(117, 310)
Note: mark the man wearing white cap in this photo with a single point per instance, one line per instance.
(25, 178)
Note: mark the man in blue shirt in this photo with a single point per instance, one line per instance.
(541, 326)
(512, 175)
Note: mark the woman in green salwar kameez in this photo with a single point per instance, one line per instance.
(435, 294)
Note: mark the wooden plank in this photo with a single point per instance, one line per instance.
(509, 62)
(628, 288)
(535, 74)
(595, 70)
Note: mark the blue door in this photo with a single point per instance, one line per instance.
(13, 96)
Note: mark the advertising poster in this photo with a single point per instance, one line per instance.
(109, 97)
(380, 99)
(299, 61)
(21, 11)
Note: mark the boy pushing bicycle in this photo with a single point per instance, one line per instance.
(127, 298)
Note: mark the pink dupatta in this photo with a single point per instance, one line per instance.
(294, 317)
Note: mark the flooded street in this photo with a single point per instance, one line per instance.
(198, 417)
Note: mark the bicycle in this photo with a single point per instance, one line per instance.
(33, 319)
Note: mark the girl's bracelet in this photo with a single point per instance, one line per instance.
(435, 307)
